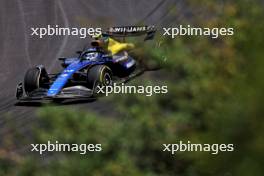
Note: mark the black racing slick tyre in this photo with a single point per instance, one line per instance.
(34, 79)
(99, 75)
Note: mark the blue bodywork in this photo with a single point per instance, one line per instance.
(75, 64)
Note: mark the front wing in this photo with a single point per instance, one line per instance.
(69, 93)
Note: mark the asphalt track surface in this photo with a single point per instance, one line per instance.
(20, 51)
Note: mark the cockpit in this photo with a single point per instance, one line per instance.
(90, 56)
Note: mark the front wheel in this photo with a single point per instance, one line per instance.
(34, 79)
(99, 75)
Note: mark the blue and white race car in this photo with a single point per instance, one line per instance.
(96, 66)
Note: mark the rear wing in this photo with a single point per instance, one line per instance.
(131, 31)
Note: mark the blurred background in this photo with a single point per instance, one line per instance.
(215, 91)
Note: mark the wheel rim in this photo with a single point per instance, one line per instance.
(107, 79)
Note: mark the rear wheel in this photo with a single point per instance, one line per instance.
(99, 75)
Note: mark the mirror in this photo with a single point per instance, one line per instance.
(62, 58)
(79, 52)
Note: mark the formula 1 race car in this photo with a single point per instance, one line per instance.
(104, 63)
